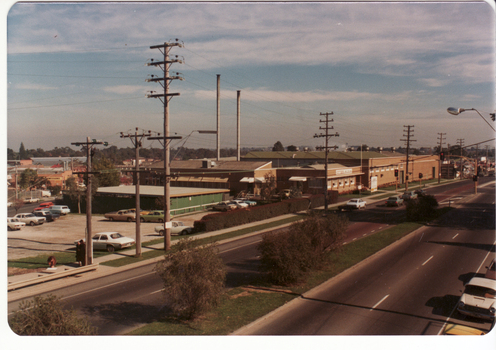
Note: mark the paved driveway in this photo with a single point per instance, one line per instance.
(59, 236)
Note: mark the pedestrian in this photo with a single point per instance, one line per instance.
(81, 253)
(51, 261)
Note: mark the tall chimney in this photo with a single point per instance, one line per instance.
(239, 127)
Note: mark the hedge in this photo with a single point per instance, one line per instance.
(222, 220)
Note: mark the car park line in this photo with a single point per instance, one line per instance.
(455, 236)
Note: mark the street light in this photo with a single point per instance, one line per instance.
(456, 111)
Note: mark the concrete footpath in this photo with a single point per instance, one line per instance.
(30, 284)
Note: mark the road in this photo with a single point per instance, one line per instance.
(124, 301)
(410, 288)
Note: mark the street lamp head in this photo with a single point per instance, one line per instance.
(455, 111)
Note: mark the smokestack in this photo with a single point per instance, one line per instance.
(218, 116)
(239, 127)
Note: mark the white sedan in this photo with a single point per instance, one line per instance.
(357, 203)
(178, 228)
(110, 241)
(30, 219)
(14, 224)
(239, 203)
(479, 299)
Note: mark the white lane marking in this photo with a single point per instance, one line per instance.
(421, 237)
(241, 246)
(455, 236)
(157, 291)
(425, 262)
(373, 307)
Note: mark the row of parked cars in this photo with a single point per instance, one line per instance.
(45, 212)
(234, 204)
(396, 201)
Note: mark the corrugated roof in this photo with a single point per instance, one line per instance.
(225, 165)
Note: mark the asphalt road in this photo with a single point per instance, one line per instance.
(410, 288)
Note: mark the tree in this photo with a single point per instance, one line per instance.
(28, 179)
(109, 176)
(45, 316)
(17, 204)
(292, 148)
(23, 154)
(268, 187)
(74, 191)
(421, 208)
(278, 147)
(193, 276)
(287, 256)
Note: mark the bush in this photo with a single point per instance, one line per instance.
(421, 208)
(219, 221)
(194, 278)
(45, 316)
(287, 256)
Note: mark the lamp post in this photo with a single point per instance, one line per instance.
(456, 111)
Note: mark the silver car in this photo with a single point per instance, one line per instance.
(110, 241)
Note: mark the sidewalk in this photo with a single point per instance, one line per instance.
(51, 279)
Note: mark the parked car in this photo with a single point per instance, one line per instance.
(60, 209)
(239, 204)
(110, 241)
(121, 215)
(44, 205)
(178, 228)
(407, 195)
(153, 216)
(249, 202)
(479, 299)
(14, 224)
(142, 212)
(355, 203)
(394, 201)
(30, 219)
(491, 270)
(47, 214)
(224, 206)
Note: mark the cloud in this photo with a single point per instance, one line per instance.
(32, 86)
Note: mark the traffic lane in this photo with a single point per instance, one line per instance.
(346, 306)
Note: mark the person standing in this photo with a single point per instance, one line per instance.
(81, 253)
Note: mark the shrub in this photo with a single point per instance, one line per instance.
(287, 256)
(193, 276)
(421, 208)
(219, 221)
(45, 316)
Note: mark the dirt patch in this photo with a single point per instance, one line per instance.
(13, 271)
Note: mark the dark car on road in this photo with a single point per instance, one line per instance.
(47, 214)
(395, 201)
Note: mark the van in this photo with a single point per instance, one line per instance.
(60, 209)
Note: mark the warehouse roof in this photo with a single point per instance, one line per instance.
(157, 191)
(318, 155)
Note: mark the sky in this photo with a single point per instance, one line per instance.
(78, 70)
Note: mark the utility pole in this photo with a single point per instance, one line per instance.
(440, 138)
(88, 146)
(218, 117)
(238, 117)
(165, 98)
(461, 142)
(136, 140)
(326, 149)
(408, 140)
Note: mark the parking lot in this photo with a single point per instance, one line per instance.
(59, 236)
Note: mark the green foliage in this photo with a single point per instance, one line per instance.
(193, 276)
(109, 176)
(28, 178)
(421, 208)
(278, 147)
(45, 316)
(288, 256)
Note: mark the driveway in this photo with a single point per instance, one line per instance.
(59, 236)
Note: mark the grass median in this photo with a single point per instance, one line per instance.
(243, 305)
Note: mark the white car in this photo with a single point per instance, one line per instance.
(239, 203)
(479, 299)
(30, 219)
(110, 241)
(224, 206)
(14, 224)
(357, 203)
(178, 228)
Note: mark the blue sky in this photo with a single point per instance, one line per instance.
(76, 70)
